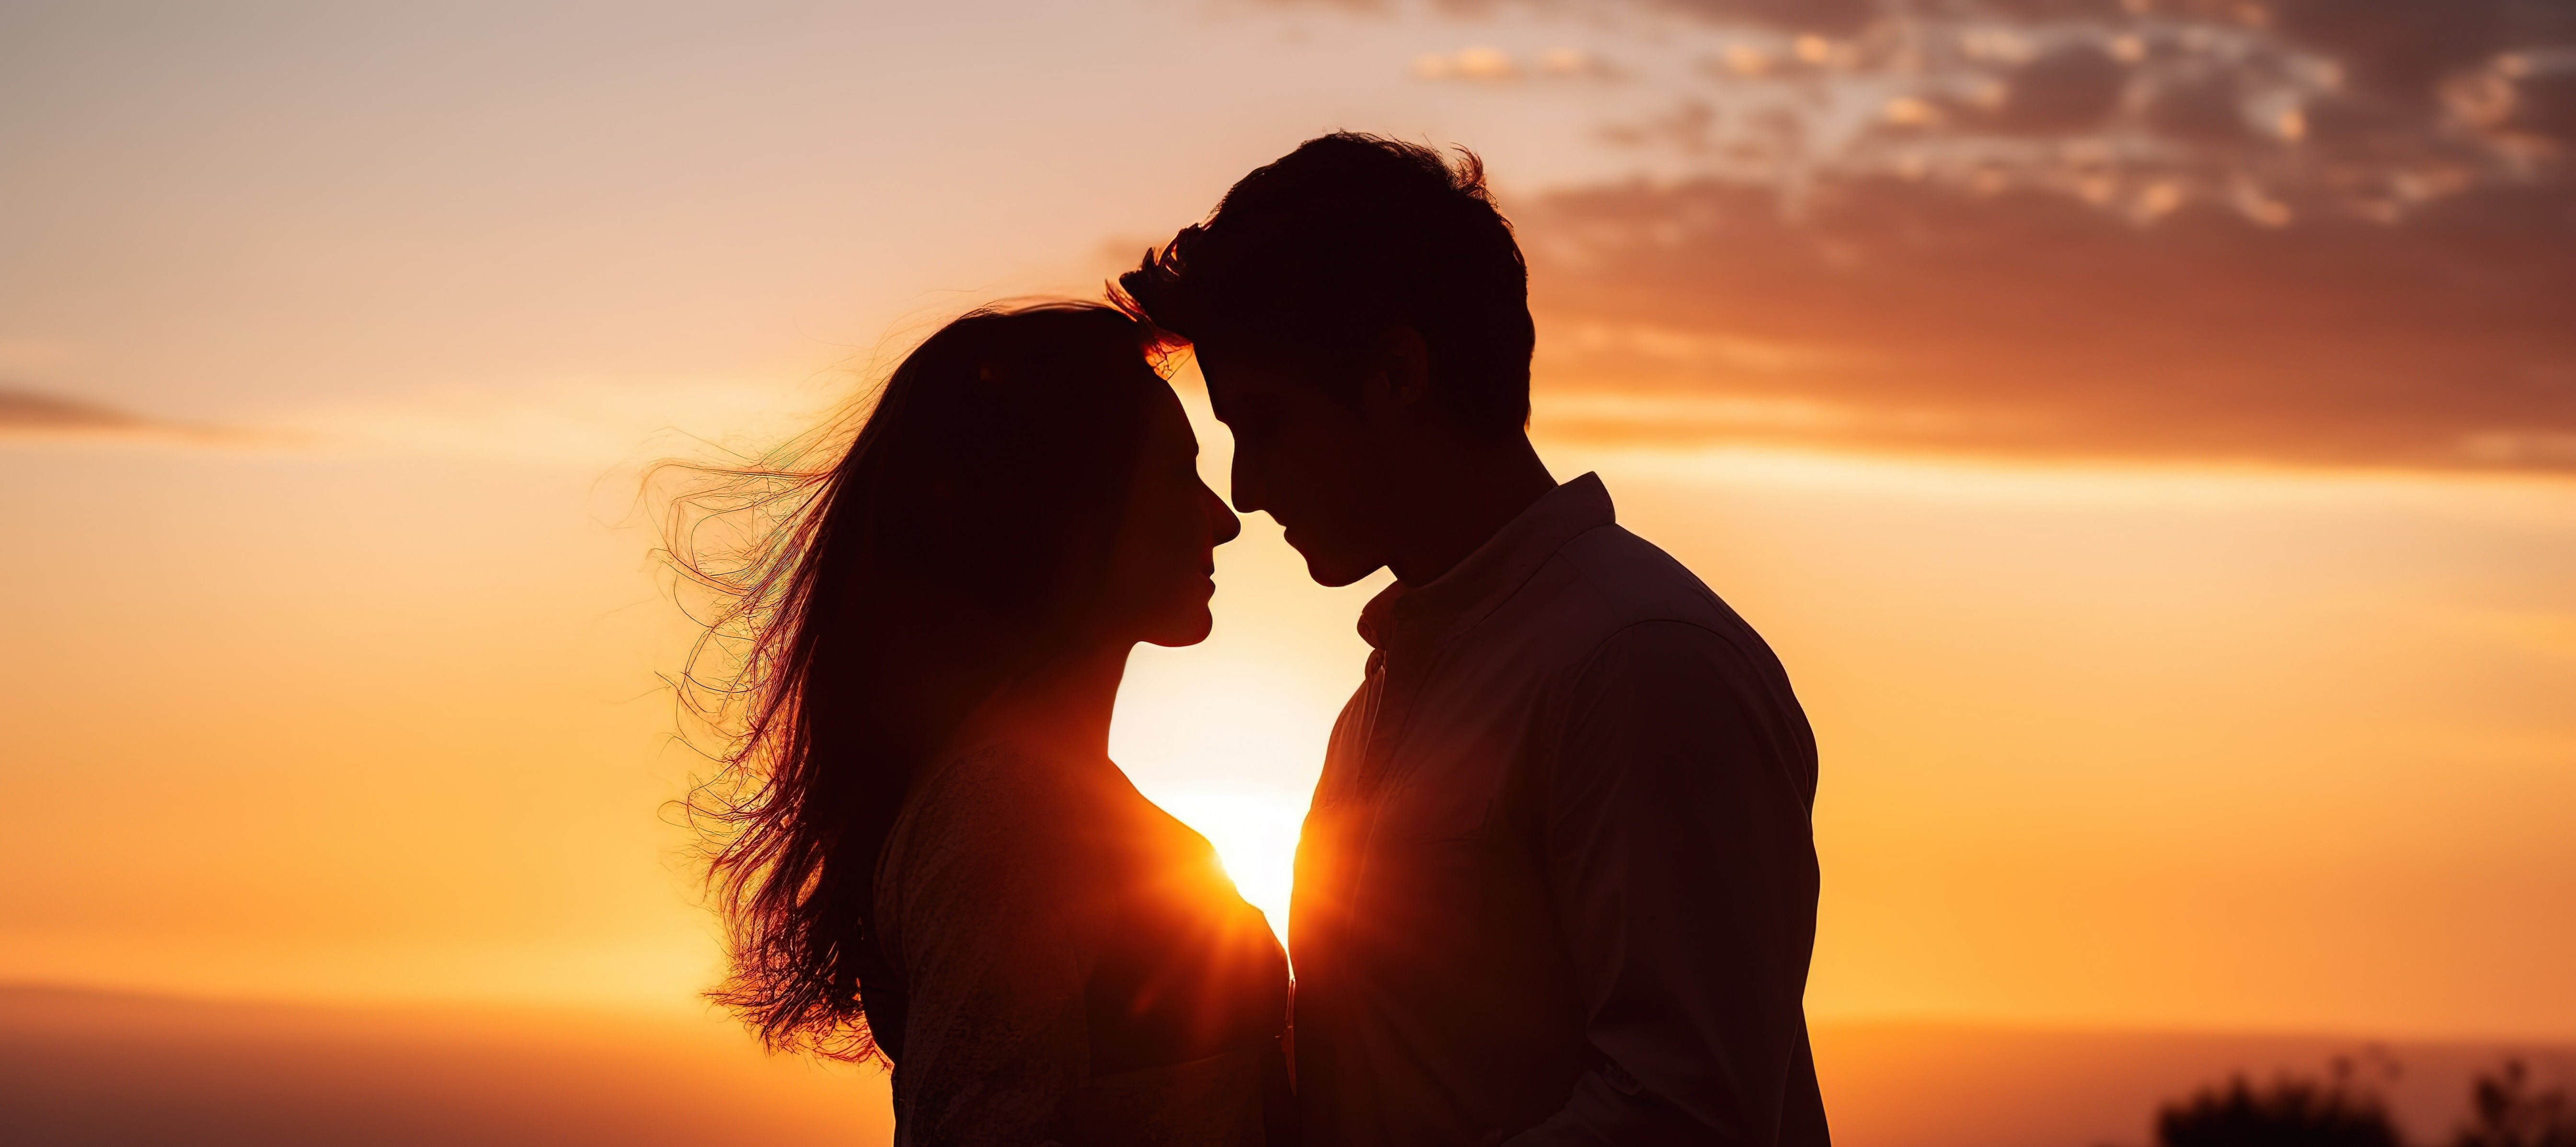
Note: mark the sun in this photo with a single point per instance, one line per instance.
(1256, 837)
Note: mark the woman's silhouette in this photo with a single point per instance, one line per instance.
(920, 847)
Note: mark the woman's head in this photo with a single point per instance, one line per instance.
(1015, 458)
(1024, 488)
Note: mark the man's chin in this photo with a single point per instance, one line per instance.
(1335, 573)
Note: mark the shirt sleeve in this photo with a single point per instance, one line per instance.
(1678, 849)
(995, 1037)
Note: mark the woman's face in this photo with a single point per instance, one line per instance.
(1162, 568)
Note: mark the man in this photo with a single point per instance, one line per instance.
(1557, 885)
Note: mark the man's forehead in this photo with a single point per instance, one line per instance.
(1234, 381)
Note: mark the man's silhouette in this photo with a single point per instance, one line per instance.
(1558, 884)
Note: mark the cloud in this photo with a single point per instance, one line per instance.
(582, 422)
(2367, 107)
(1796, 15)
(1908, 314)
(27, 412)
(1495, 65)
(2373, 105)
(1491, 65)
(31, 414)
(28, 416)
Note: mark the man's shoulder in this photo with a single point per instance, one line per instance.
(1623, 580)
(1608, 582)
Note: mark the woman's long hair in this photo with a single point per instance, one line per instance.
(862, 609)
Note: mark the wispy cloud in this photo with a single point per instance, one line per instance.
(578, 422)
(28, 415)
(1485, 64)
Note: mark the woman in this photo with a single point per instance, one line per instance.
(921, 848)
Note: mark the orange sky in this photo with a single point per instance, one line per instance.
(332, 664)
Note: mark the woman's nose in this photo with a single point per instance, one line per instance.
(1221, 521)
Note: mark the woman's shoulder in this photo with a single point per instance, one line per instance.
(990, 801)
(993, 768)
(1009, 786)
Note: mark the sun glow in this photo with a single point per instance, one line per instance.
(1256, 837)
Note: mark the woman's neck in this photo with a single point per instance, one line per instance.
(1061, 707)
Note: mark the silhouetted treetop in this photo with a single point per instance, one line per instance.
(2504, 1112)
(2287, 1113)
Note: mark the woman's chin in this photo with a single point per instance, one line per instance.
(1183, 631)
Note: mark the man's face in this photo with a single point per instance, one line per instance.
(1306, 459)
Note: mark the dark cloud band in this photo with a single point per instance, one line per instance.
(2035, 324)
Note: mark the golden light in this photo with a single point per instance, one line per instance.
(1256, 837)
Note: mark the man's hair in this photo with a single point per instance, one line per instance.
(1315, 256)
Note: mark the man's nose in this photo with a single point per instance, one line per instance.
(1221, 521)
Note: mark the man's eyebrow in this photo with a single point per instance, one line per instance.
(1255, 402)
(1227, 411)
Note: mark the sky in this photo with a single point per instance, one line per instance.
(2147, 433)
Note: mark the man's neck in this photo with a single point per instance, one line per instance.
(1459, 500)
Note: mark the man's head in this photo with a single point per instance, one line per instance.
(1359, 308)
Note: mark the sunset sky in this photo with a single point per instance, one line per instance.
(2146, 431)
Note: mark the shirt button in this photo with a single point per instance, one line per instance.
(1618, 1077)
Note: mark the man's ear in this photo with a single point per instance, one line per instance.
(1399, 370)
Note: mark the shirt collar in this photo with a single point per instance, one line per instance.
(1484, 578)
